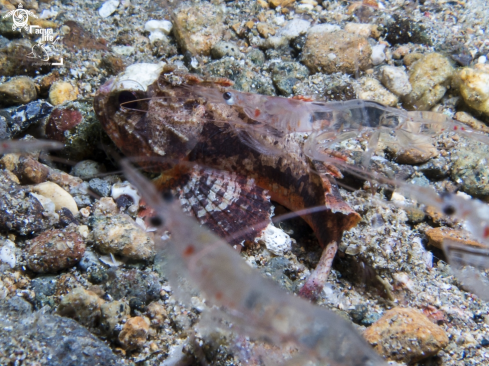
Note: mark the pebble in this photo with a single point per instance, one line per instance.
(159, 29)
(61, 120)
(363, 30)
(324, 52)
(134, 333)
(438, 234)
(198, 27)
(127, 190)
(100, 187)
(87, 169)
(20, 212)
(7, 253)
(62, 91)
(396, 80)
(119, 234)
(276, 240)
(295, 28)
(473, 88)
(19, 90)
(113, 64)
(58, 195)
(83, 306)
(413, 156)
(59, 341)
(134, 283)
(372, 89)
(429, 77)
(108, 8)
(157, 314)
(225, 49)
(19, 49)
(112, 314)
(378, 55)
(46, 82)
(470, 169)
(286, 74)
(55, 250)
(282, 3)
(406, 335)
(401, 30)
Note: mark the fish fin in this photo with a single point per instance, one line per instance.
(224, 202)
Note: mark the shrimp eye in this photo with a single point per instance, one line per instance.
(156, 221)
(449, 210)
(227, 96)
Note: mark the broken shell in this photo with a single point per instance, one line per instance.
(125, 189)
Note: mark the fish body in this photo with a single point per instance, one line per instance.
(170, 122)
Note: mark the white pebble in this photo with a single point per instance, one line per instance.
(123, 50)
(48, 13)
(482, 60)
(396, 80)
(276, 240)
(324, 28)
(378, 55)
(58, 195)
(158, 29)
(295, 28)
(7, 254)
(144, 73)
(108, 8)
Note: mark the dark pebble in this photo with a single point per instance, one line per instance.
(100, 187)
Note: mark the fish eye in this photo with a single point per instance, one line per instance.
(128, 100)
(228, 97)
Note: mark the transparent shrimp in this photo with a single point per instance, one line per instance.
(329, 123)
(256, 306)
(11, 146)
(470, 263)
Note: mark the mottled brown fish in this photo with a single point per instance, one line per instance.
(151, 112)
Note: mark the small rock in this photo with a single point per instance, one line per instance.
(7, 253)
(429, 78)
(61, 120)
(108, 8)
(438, 234)
(473, 88)
(62, 91)
(113, 64)
(416, 155)
(20, 211)
(87, 169)
(295, 28)
(363, 30)
(256, 56)
(406, 335)
(134, 283)
(55, 250)
(396, 80)
(100, 187)
(46, 82)
(435, 168)
(286, 74)
(276, 240)
(19, 90)
(225, 49)
(127, 190)
(119, 234)
(265, 30)
(159, 29)
(403, 30)
(470, 169)
(282, 3)
(58, 195)
(198, 27)
(44, 287)
(378, 55)
(157, 314)
(83, 306)
(105, 206)
(372, 89)
(326, 52)
(15, 60)
(134, 333)
(411, 58)
(113, 313)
